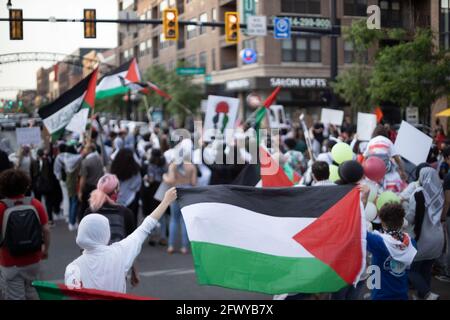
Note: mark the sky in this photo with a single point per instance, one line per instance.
(51, 37)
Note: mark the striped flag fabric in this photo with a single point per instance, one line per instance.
(58, 114)
(116, 82)
(57, 291)
(275, 241)
(147, 86)
(261, 113)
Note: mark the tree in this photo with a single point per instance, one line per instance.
(186, 96)
(411, 73)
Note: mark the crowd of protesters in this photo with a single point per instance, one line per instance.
(122, 174)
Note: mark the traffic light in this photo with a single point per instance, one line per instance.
(170, 24)
(15, 27)
(90, 28)
(232, 27)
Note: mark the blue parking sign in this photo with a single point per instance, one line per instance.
(282, 28)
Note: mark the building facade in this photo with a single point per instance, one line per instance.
(301, 65)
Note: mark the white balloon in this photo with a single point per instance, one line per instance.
(371, 211)
(369, 226)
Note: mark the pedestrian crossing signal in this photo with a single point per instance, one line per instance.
(232, 27)
(170, 24)
(90, 28)
(15, 26)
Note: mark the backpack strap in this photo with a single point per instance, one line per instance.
(9, 203)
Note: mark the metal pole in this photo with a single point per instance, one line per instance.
(334, 53)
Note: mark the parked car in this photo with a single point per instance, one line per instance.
(7, 124)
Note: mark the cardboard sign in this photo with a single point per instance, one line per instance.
(412, 144)
(277, 117)
(367, 122)
(221, 114)
(331, 116)
(30, 136)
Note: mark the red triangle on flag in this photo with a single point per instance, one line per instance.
(89, 98)
(272, 174)
(271, 99)
(133, 74)
(335, 238)
(379, 114)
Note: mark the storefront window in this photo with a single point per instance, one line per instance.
(301, 6)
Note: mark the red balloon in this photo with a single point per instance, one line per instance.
(374, 169)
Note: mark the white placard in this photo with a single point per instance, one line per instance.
(221, 114)
(331, 116)
(257, 26)
(30, 136)
(79, 121)
(161, 191)
(412, 144)
(277, 117)
(366, 124)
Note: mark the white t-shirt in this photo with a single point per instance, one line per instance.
(380, 145)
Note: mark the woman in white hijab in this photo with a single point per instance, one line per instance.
(103, 266)
(424, 215)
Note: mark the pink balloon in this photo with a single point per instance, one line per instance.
(374, 169)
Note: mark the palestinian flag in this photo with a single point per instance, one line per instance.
(56, 291)
(58, 114)
(147, 87)
(116, 82)
(267, 174)
(275, 241)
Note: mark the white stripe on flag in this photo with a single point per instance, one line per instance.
(111, 82)
(233, 226)
(62, 117)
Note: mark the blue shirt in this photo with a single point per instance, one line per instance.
(394, 274)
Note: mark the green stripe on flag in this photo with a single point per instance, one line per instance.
(260, 115)
(258, 272)
(111, 92)
(49, 291)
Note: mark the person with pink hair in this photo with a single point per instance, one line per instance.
(121, 219)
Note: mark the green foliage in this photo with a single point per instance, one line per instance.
(184, 93)
(112, 105)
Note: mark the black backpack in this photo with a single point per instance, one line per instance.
(21, 227)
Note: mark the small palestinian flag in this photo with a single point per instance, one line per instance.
(267, 174)
(147, 86)
(58, 114)
(116, 82)
(275, 241)
(54, 291)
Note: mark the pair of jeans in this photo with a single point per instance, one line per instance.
(176, 220)
(420, 277)
(73, 209)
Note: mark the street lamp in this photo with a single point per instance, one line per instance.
(9, 5)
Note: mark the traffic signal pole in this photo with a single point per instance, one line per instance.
(335, 29)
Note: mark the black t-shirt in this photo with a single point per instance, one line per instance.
(121, 220)
(446, 186)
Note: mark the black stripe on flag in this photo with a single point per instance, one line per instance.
(66, 98)
(119, 69)
(308, 202)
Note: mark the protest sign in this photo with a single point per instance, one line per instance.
(331, 116)
(31, 136)
(220, 115)
(366, 124)
(412, 144)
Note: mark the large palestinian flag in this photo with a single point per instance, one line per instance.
(116, 82)
(274, 241)
(58, 114)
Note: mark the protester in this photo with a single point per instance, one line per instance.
(424, 214)
(26, 240)
(295, 158)
(127, 169)
(445, 258)
(91, 171)
(181, 173)
(103, 266)
(392, 252)
(321, 174)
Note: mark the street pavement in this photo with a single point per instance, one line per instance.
(162, 275)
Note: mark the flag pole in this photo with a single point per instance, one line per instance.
(307, 137)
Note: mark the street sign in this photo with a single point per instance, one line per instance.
(249, 56)
(257, 26)
(282, 28)
(248, 9)
(190, 71)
